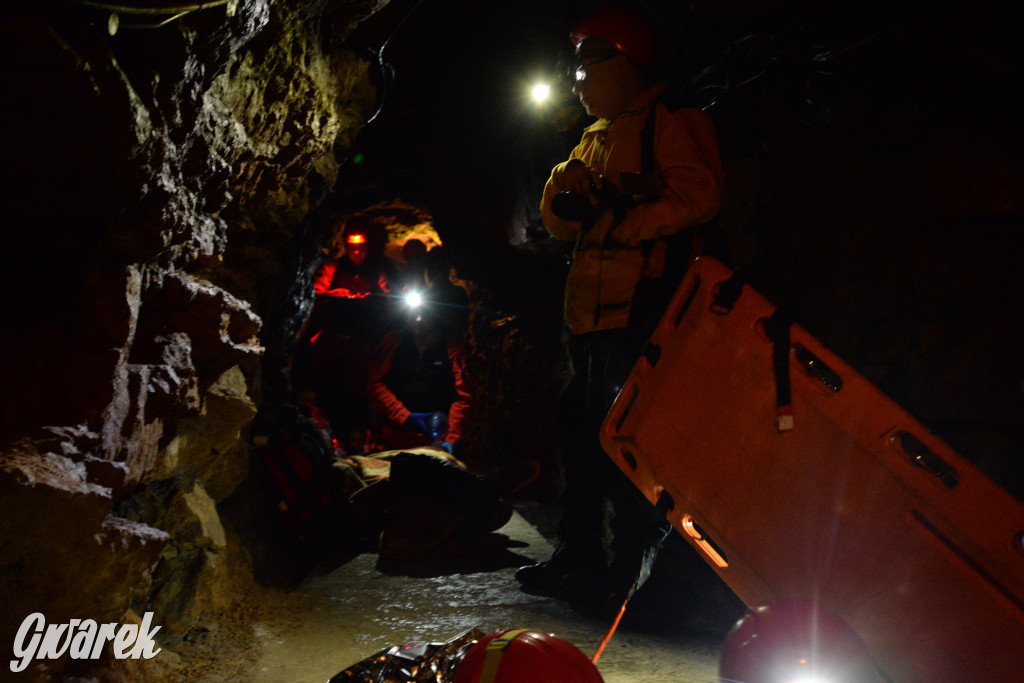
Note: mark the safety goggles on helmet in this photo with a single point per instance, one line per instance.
(589, 57)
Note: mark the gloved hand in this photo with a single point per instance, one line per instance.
(444, 445)
(432, 424)
(437, 424)
(418, 422)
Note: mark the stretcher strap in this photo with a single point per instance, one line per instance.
(778, 330)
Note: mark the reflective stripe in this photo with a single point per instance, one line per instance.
(495, 649)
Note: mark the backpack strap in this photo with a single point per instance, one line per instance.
(648, 166)
(678, 245)
(647, 160)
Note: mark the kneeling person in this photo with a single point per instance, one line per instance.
(418, 385)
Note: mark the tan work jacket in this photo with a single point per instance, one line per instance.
(610, 259)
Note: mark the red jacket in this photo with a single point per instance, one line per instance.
(349, 284)
(386, 379)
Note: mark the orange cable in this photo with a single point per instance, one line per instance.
(611, 631)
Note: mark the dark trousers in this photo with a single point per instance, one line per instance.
(601, 362)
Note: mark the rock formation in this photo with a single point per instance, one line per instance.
(159, 183)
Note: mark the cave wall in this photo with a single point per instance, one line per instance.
(159, 186)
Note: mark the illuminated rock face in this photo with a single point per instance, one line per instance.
(156, 188)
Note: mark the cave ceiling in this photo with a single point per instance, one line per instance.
(453, 111)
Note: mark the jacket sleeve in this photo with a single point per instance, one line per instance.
(686, 151)
(559, 229)
(459, 412)
(322, 281)
(386, 276)
(381, 397)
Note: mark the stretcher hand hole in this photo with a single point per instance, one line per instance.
(926, 459)
(677, 317)
(629, 459)
(816, 368)
(665, 503)
(727, 293)
(651, 352)
(625, 411)
(714, 553)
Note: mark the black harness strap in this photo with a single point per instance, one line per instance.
(647, 161)
(648, 166)
(777, 328)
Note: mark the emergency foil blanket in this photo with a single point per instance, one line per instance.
(412, 662)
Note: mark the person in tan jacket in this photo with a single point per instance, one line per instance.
(643, 177)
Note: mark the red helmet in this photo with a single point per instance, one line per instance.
(520, 655)
(621, 28)
(791, 641)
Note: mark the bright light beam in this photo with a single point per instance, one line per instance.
(413, 299)
(541, 92)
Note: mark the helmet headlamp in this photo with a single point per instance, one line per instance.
(413, 299)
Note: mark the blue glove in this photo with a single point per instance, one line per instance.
(446, 446)
(437, 425)
(418, 422)
(432, 424)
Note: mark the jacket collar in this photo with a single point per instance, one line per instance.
(639, 105)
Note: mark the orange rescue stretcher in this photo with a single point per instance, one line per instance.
(797, 479)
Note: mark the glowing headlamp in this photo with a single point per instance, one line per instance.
(541, 92)
(356, 239)
(413, 299)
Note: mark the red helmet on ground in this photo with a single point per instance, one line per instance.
(521, 655)
(794, 641)
(621, 28)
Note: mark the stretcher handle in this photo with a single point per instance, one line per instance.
(699, 537)
(816, 368)
(928, 460)
(727, 294)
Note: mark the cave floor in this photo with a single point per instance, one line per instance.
(339, 617)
